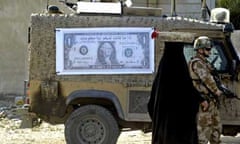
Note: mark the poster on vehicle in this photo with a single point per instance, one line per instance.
(114, 50)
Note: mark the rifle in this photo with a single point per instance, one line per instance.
(226, 92)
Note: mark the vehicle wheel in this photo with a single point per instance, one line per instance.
(91, 124)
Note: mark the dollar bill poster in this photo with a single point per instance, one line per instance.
(115, 50)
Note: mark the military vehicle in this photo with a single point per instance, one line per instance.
(93, 71)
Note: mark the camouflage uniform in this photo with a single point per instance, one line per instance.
(209, 125)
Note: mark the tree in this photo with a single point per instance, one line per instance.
(233, 6)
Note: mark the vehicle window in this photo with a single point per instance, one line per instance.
(217, 58)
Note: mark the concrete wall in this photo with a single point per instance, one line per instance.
(14, 22)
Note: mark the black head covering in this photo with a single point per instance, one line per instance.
(174, 101)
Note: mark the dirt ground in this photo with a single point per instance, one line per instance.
(11, 133)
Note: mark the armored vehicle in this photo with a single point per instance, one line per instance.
(93, 72)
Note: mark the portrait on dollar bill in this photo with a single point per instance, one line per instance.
(106, 54)
(104, 51)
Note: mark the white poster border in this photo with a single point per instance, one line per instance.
(61, 49)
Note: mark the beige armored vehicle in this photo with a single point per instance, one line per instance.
(93, 71)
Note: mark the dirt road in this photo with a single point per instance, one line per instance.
(49, 134)
(10, 133)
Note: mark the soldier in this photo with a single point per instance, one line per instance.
(209, 125)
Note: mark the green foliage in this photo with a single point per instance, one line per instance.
(233, 6)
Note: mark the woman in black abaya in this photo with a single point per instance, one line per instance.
(174, 102)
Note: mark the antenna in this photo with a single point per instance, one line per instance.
(205, 10)
(47, 4)
(173, 8)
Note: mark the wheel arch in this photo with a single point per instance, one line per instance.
(99, 97)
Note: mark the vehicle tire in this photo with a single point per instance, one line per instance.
(91, 124)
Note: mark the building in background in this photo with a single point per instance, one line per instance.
(185, 8)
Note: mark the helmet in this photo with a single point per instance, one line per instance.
(202, 42)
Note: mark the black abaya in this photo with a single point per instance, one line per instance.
(174, 101)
